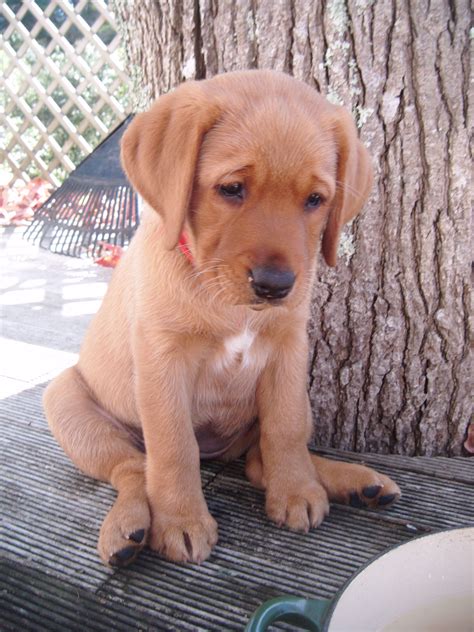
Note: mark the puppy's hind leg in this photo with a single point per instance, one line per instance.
(104, 451)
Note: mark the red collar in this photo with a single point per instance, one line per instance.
(184, 247)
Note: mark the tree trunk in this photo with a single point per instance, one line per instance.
(389, 329)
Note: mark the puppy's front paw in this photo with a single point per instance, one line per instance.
(187, 538)
(299, 509)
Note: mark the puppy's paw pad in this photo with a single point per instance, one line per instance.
(124, 556)
(137, 536)
(371, 491)
(388, 499)
(356, 501)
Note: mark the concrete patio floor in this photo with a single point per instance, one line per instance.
(51, 577)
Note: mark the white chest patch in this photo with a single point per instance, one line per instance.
(237, 350)
(239, 344)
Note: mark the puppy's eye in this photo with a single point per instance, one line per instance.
(313, 201)
(232, 190)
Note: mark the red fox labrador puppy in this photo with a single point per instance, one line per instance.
(199, 349)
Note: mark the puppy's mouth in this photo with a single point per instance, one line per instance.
(258, 304)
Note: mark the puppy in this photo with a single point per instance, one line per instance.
(199, 349)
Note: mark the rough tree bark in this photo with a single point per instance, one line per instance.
(390, 327)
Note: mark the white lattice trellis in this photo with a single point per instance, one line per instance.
(63, 87)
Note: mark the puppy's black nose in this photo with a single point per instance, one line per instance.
(271, 283)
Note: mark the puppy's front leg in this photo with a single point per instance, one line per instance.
(182, 528)
(293, 494)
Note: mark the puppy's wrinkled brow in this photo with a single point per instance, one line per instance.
(238, 171)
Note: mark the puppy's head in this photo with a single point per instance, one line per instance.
(258, 166)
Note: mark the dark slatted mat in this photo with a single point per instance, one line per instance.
(52, 578)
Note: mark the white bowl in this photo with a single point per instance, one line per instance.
(424, 585)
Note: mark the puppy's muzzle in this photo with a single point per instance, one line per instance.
(271, 283)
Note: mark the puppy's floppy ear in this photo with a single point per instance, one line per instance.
(354, 182)
(160, 150)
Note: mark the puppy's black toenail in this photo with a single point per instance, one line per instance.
(371, 491)
(137, 536)
(386, 500)
(355, 501)
(122, 557)
(188, 544)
